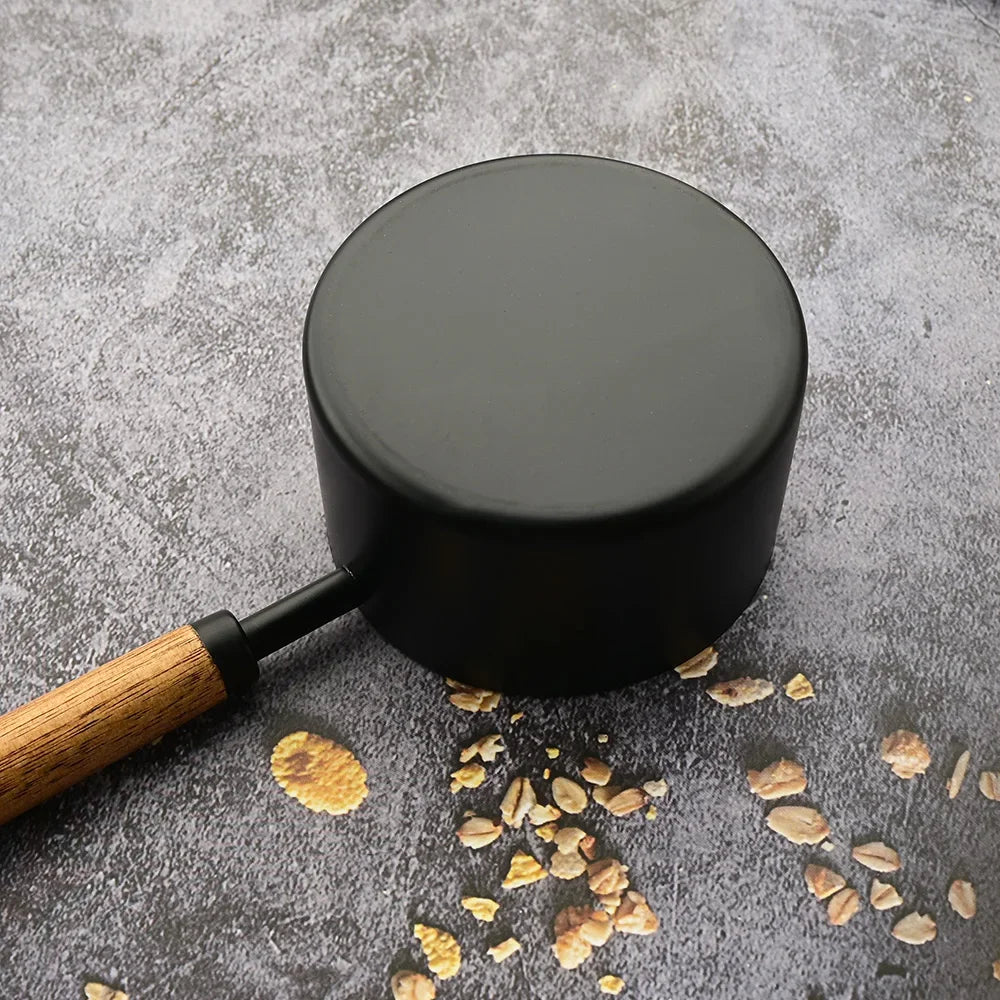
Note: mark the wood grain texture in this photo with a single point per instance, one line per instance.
(75, 730)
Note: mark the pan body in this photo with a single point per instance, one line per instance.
(554, 401)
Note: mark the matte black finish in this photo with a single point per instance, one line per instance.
(554, 401)
(223, 637)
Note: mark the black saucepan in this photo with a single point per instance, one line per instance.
(554, 400)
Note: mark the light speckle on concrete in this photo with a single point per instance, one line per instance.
(174, 178)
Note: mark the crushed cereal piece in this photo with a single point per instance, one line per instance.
(822, 882)
(539, 815)
(656, 789)
(566, 865)
(504, 949)
(546, 774)
(516, 717)
(634, 916)
(989, 785)
(962, 897)
(322, 775)
(842, 906)
(578, 930)
(487, 747)
(798, 824)
(954, 785)
(477, 832)
(799, 687)
(552, 752)
(595, 771)
(884, 896)
(469, 776)
(611, 984)
(569, 796)
(482, 908)
(588, 847)
(524, 870)
(651, 813)
(741, 691)
(444, 956)
(777, 780)
(602, 737)
(472, 699)
(98, 991)
(915, 928)
(698, 665)
(517, 802)
(607, 877)
(597, 930)
(547, 831)
(409, 985)
(906, 752)
(877, 856)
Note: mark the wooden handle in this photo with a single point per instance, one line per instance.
(68, 734)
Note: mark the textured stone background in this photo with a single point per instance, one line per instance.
(174, 177)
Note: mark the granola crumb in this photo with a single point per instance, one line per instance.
(602, 737)
(321, 774)
(607, 877)
(828, 846)
(954, 785)
(472, 699)
(517, 802)
(552, 752)
(698, 665)
(656, 789)
(651, 813)
(626, 801)
(98, 991)
(546, 774)
(778, 780)
(409, 985)
(504, 949)
(567, 865)
(996, 969)
(486, 747)
(516, 718)
(524, 870)
(468, 776)
(877, 856)
(443, 954)
(822, 882)
(539, 815)
(481, 907)
(613, 984)
(741, 691)
(547, 831)
(635, 916)
(906, 752)
(799, 688)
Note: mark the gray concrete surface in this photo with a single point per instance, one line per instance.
(173, 179)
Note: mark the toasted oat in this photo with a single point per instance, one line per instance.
(516, 717)
(443, 954)
(741, 691)
(603, 794)
(547, 831)
(569, 796)
(568, 839)
(524, 870)
(487, 747)
(842, 906)
(651, 813)
(822, 882)
(504, 949)
(467, 776)
(962, 897)
(539, 815)
(656, 789)
(906, 752)
(409, 985)
(322, 775)
(597, 930)
(588, 847)
(611, 984)
(566, 865)
(477, 832)
(98, 991)
(783, 777)
(989, 785)
(607, 877)
(876, 856)
(578, 930)
(798, 824)
(595, 771)
(954, 785)
(552, 752)
(472, 699)
(517, 802)
(627, 801)
(698, 665)
(481, 907)
(602, 737)
(915, 928)
(610, 901)
(884, 896)
(799, 687)
(634, 916)
(571, 950)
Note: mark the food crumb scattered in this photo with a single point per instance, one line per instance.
(741, 691)
(996, 969)
(962, 897)
(828, 846)
(778, 780)
(822, 882)
(842, 906)
(469, 776)
(98, 991)
(915, 928)
(516, 718)
(651, 813)
(504, 949)
(547, 831)
(906, 752)
(698, 665)
(524, 870)
(799, 687)
(611, 984)
(443, 954)
(481, 907)
(656, 789)
(517, 802)
(487, 748)
(989, 785)
(546, 774)
(602, 737)
(321, 774)
(877, 856)
(954, 785)
(884, 896)
(409, 985)
(539, 815)
(552, 752)
(472, 699)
